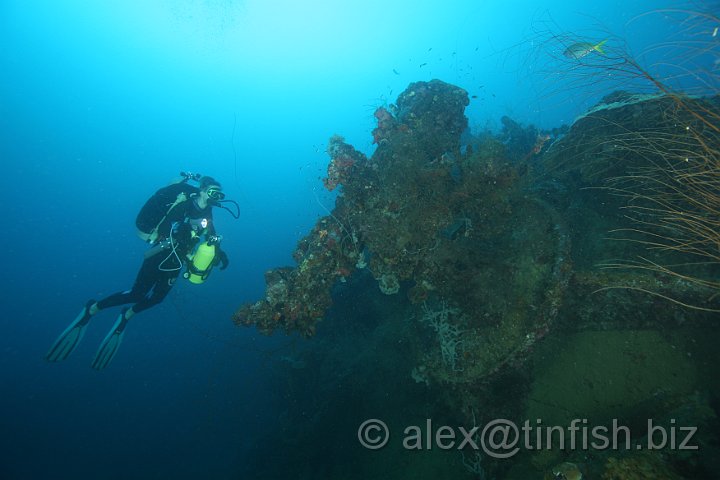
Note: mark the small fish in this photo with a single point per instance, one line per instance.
(395, 72)
(579, 50)
(429, 49)
(423, 64)
(473, 96)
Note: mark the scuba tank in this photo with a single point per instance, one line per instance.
(202, 262)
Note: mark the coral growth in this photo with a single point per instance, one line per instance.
(343, 159)
(449, 335)
(297, 298)
(386, 123)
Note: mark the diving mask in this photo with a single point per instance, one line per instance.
(215, 194)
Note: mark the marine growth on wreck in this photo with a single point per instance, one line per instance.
(482, 243)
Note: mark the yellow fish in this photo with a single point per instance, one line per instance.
(580, 49)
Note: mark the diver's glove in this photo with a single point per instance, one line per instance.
(221, 258)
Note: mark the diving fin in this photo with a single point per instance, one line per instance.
(109, 346)
(71, 336)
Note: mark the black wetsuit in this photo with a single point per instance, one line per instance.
(161, 267)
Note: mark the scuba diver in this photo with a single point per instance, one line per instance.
(178, 224)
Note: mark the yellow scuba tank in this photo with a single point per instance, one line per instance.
(199, 268)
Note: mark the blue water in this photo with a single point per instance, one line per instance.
(101, 103)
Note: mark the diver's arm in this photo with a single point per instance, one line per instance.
(221, 258)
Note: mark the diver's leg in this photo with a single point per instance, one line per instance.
(163, 282)
(162, 287)
(143, 284)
